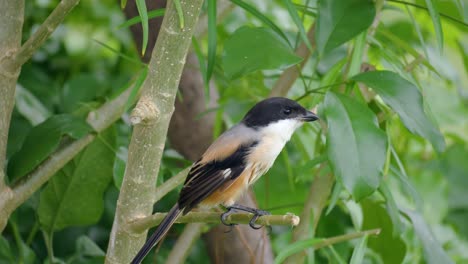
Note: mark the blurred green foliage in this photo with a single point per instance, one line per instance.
(406, 184)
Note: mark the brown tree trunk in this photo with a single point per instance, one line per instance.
(190, 134)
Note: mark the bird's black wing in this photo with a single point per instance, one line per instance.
(205, 178)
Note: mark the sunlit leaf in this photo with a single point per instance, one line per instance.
(137, 19)
(30, 106)
(339, 21)
(436, 22)
(405, 98)
(433, 251)
(74, 196)
(355, 144)
(296, 247)
(42, 140)
(251, 9)
(359, 251)
(251, 49)
(141, 6)
(297, 20)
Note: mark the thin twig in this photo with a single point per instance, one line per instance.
(338, 239)
(142, 224)
(170, 184)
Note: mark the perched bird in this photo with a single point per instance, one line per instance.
(234, 161)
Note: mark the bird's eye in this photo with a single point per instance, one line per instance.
(287, 111)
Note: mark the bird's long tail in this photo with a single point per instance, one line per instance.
(162, 229)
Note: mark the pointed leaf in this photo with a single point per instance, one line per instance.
(355, 144)
(405, 99)
(339, 21)
(436, 22)
(74, 196)
(251, 49)
(42, 140)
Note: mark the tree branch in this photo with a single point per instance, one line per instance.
(151, 116)
(10, 41)
(99, 119)
(43, 32)
(289, 76)
(140, 225)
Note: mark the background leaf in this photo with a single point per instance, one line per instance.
(375, 216)
(406, 100)
(436, 22)
(339, 21)
(433, 252)
(74, 196)
(42, 140)
(355, 144)
(251, 49)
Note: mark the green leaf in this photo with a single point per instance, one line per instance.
(211, 39)
(359, 251)
(433, 251)
(80, 89)
(296, 247)
(137, 19)
(87, 247)
(392, 209)
(297, 20)
(339, 21)
(436, 22)
(251, 49)
(74, 196)
(454, 167)
(375, 216)
(405, 99)
(355, 144)
(180, 13)
(44, 139)
(5, 251)
(141, 6)
(251, 9)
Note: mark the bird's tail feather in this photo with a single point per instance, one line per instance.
(162, 229)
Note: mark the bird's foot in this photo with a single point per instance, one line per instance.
(256, 214)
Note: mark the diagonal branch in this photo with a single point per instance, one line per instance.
(100, 119)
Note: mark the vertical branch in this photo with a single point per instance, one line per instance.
(11, 21)
(151, 118)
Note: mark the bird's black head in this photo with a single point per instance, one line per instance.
(275, 109)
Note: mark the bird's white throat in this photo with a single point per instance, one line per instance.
(281, 130)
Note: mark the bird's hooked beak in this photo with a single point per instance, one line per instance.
(308, 117)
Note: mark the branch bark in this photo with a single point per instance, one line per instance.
(11, 19)
(100, 119)
(140, 225)
(153, 113)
